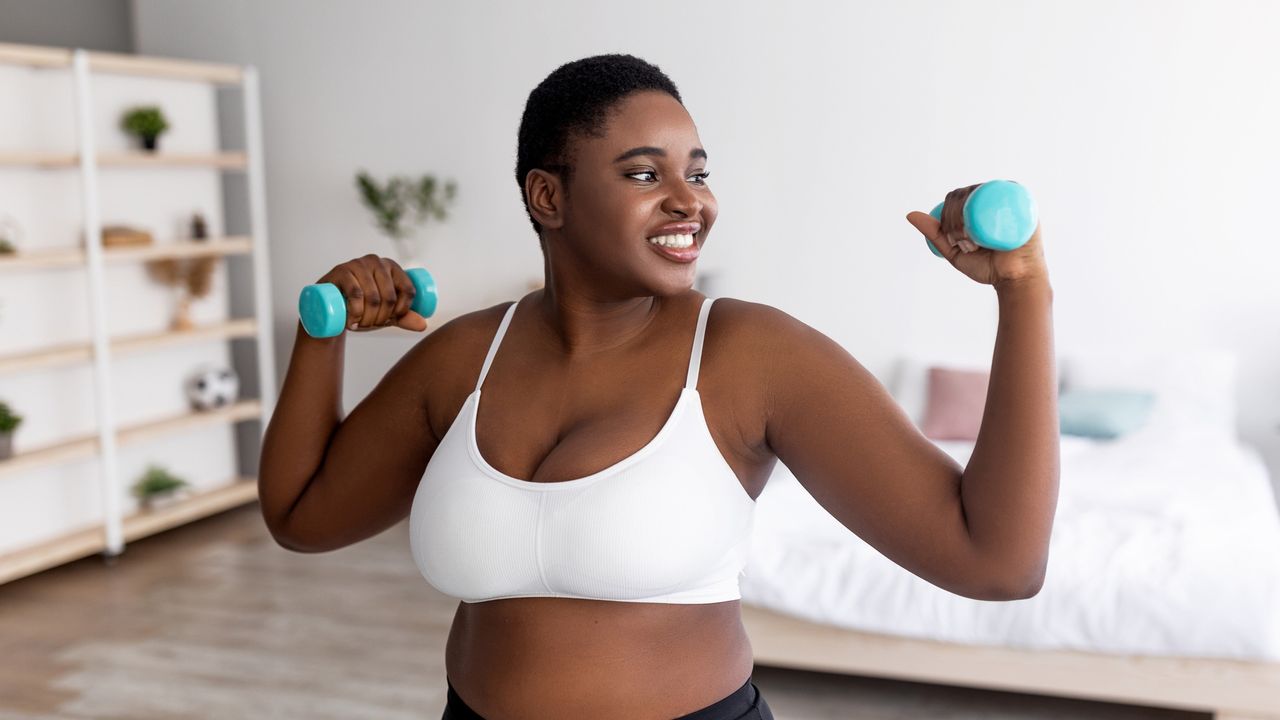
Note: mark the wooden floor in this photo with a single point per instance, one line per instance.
(214, 620)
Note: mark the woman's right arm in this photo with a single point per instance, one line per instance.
(326, 481)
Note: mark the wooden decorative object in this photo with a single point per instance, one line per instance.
(122, 235)
(192, 277)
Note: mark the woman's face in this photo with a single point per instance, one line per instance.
(646, 172)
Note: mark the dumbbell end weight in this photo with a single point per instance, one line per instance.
(323, 310)
(998, 215)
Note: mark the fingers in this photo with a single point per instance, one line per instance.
(412, 321)
(378, 293)
(349, 284)
(926, 224)
(405, 292)
(375, 290)
(386, 290)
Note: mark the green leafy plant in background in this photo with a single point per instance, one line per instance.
(6, 247)
(156, 481)
(147, 122)
(9, 421)
(402, 201)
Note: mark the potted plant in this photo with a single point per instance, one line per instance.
(158, 488)
(9, 232)
(9, 421)
(403, 202)
(190, 278)
(147, 122)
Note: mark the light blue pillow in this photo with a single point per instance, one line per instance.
(1105, 414)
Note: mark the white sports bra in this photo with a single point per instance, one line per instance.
(670, 523)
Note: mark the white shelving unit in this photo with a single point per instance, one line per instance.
(115, 527)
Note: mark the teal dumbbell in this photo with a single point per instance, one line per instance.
(323, 310)
(998, 215)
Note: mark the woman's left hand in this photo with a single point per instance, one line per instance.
(989, 267)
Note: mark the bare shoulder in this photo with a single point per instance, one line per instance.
(740, 360)
(758, 335)
(453, 354)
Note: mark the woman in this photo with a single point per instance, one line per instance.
(593, 513)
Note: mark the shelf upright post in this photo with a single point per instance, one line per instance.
(111, 500)
(258, 232)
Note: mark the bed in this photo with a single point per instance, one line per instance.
(1163, 583)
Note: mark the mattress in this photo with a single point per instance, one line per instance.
(1160, 546)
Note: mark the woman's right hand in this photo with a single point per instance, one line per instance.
(378, 294)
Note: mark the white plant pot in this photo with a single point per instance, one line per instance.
(160, 502)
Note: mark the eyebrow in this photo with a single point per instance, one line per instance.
(650, 150)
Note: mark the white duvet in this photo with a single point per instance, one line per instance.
(1161, 546)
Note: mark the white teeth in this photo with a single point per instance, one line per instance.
(673, 241)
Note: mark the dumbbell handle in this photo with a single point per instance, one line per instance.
(998, 215)
(323, 309)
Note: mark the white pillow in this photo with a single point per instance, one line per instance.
(1195, 388)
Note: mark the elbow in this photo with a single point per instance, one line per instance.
(1028, 590)
(293, 544)
(1007, 585)
(1027, 585)
(286, 536)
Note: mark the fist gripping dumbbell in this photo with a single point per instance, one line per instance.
(323, 310)
(998, 215)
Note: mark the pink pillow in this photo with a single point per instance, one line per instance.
(956, 398)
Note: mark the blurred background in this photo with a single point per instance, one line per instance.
(1144, 129)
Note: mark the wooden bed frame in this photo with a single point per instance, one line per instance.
(1230, 689)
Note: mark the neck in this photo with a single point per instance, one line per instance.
(579, 324)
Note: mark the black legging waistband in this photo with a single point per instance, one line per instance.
(745, 703)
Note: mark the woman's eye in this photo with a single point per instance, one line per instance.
(702, 176)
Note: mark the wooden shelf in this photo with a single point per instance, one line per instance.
(235, 412)
(75, 72)
(82, 543)
(65, 257)
(227, 160)
(200, 504)
(83, 352)
(86, 445)
(235, 245)
(113, 63)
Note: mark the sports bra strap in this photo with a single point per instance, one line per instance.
(695, 357)
(497, 340)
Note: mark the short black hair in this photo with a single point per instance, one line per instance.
(575, 99)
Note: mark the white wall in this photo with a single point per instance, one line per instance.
(1145, 129)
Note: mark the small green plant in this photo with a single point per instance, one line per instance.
(6, 247)
(146, 122)
(392, 201)
(156, 481)
(9, 421)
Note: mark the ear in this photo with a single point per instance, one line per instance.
(546, 198)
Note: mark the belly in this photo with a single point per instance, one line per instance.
(570, 658)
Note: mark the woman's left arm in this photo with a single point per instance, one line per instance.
(1010, 488)
(981, 531)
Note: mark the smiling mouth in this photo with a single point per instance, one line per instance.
(675, 249)
(678, 241)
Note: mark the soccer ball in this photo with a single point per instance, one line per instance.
(212, 387)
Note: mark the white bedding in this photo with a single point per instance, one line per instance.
(1161, 546)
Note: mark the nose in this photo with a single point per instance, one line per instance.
(682, 201)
